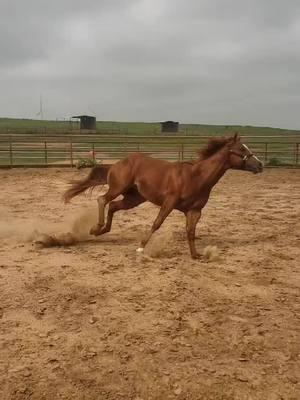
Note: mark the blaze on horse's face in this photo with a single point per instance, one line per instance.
(242, 158)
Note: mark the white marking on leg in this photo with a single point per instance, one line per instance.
(140, 250)
(101, 207)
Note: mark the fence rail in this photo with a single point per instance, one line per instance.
(55, 149)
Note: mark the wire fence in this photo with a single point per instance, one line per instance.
(66, 150)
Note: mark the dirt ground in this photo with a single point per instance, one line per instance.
(97, 321)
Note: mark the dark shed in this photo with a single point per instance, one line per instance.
(86, 122)
(169, 126)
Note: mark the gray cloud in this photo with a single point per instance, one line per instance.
(199, 61)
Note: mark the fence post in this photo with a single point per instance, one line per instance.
(297, 153)
(10, 152)
(182, 149)
(266, 152)
(93, 150)
(71, 152)
(46, 154)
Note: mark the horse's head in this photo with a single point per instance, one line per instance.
(241, 157)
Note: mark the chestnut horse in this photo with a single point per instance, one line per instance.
(184, 186)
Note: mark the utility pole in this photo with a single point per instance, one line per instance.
(41, 112)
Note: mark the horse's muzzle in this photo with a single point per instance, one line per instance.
(257, 169)
(254, 165)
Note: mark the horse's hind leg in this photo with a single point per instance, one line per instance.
(102, 202)
(119, 180)
(131, 199)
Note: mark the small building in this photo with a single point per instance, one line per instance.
(86, 122)
(169, 126)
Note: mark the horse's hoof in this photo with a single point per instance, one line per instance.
(96, 230)
(196, 256)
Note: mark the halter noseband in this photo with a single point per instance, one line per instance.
(243, 157)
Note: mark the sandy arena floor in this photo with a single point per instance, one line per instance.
(96, 321)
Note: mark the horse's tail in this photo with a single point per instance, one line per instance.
(97, 176)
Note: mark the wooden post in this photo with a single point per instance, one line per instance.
(177, 143)
(45, 152)
(297, 153)
(182, 150)
(266, 152)
(71, 152)
(10, 152)
(93, 149)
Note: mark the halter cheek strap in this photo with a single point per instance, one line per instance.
(243, 157)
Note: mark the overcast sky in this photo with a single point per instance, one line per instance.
(198, 61)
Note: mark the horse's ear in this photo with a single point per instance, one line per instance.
(236, 137)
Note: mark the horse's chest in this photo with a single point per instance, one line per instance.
(196, 201)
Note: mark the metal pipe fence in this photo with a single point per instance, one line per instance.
(66, 150)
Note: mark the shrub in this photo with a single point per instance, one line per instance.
(275, 162)
(85, 163)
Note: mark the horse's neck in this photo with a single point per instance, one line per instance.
(212, 169)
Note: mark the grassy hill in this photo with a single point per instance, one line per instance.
(10, 125)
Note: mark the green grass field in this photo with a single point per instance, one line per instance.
(14, 126)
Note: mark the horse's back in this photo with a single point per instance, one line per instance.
(140, 164)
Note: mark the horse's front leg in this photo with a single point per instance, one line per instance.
(192, 218)
(164, 211)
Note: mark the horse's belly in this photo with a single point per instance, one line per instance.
(150, 192)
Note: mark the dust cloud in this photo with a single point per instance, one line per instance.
(75, 228)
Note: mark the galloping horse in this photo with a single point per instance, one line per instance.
(184, 186)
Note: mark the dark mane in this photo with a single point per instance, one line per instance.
(213, 145)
